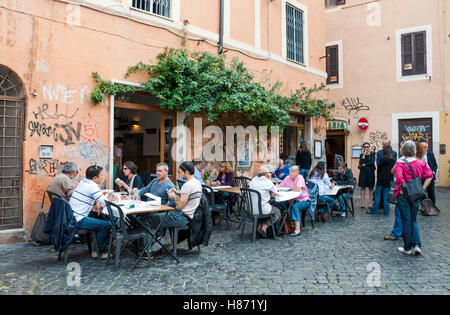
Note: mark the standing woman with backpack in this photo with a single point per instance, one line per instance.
(404, 169)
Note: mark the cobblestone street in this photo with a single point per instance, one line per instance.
(331, 259)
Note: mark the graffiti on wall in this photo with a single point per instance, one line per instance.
(376, 138)
(353, 105)
(58, 120)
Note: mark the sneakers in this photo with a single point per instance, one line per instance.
(417, 250)
(390, 237)
(157, 246)
(407, 252)
(343, 214)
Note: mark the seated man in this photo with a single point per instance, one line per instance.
(62, 184)
(262, 183)
(343, 176)
(282, 171)
(296, 183)
(186, 202)
(83, 198)
(160, 185)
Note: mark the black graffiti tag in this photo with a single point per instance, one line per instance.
(60, 132)
(351, 104)
(42, 113)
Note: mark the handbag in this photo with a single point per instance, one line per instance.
(428, 208)
(391, 195)
(38, 236)
(413, 189)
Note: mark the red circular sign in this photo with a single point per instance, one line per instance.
(363, 124)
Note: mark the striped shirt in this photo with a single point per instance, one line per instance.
(84, 197)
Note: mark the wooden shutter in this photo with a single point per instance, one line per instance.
(332, 64)
(420, 53)
(414, 59)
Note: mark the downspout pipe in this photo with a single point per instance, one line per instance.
(221, 28)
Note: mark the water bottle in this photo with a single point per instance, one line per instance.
(136, 195)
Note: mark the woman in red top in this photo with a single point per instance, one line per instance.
(408, 211)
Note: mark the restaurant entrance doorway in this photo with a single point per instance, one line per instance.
(146, 131)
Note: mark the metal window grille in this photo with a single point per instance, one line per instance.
(294, 34)
(11, 133)
(158, 7)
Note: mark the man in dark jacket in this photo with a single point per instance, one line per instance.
(343, 176)
(303, 160)
(432, 164)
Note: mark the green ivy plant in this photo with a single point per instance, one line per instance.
(203, 83)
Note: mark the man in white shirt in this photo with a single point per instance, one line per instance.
(186, 202)
(82, 201)
(265, 187)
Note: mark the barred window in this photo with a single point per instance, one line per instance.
(158, 7)
(294, 34)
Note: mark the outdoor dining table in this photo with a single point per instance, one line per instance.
(140, 207)
(286, 195)
(338, 190)
(233, 190)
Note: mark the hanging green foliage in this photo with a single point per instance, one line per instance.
(203, 83)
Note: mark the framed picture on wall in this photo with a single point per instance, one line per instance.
(317, 149)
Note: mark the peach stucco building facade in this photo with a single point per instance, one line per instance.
(373, 79)
(52, 46)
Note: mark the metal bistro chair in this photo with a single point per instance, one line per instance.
(120, 233)
(188, 228)
(242, 182)
(313, 192)
(87, 233)
(352, 191)
(249, 213)
(214, 208)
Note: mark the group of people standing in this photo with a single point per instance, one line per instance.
(391, 173)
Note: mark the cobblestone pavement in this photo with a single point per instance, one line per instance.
(333, 258)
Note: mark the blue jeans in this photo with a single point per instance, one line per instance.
(398, 226)
(101, 227)
(377, 199)
(408, 212)
(297, 207)
(305, 173)
(342, 198)
(173, 219)
(327, 199)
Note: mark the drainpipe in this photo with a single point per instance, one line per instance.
(221, 28)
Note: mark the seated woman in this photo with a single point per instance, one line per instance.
(225, 178)
(320, 177)
(262, 183)
(132, 180)
(296, 183)
(343, 176)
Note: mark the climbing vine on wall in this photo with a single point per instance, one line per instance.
(203, 83)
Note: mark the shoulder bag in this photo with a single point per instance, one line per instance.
(413, 189)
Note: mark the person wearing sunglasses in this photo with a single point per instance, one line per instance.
(131, 179)
(367, 173)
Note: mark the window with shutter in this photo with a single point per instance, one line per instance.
(333, 3)
(332, 64)
(294, 34)
(414, 53)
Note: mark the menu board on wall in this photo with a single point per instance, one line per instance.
(419, 129)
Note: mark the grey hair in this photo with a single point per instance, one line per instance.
(69, 167)
(294, 168)
(408, 149)
(280, 160)
(164, 165)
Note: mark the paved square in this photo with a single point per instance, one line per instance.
(345, 256)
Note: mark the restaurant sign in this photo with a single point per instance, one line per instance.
(336, 125)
